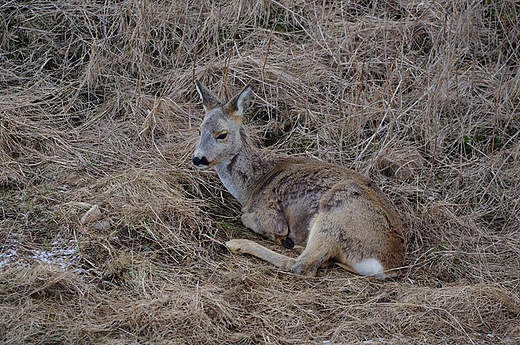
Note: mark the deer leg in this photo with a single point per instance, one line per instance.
(244, 246)
(312, 258)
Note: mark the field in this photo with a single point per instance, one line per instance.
(98, 107)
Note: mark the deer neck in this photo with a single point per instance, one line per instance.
(243, 171)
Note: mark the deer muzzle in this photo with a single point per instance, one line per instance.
(200, 162)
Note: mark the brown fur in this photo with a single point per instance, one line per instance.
(337, 214)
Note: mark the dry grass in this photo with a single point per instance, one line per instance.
(97, 106)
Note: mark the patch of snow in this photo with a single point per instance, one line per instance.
(63, 258)
(9, 252)
(62, 254)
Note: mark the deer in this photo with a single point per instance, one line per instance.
(334, 214)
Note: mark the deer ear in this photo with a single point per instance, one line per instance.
(236, 105)
(209, 99)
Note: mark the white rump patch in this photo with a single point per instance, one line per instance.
(369, 267)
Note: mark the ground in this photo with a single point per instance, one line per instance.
(98, 107)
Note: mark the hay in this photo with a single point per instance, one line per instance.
(97, 107)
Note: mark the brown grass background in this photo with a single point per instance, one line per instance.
(97, 106)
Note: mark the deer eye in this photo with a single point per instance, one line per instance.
(222, 136)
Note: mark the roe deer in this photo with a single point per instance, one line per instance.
(335, 213)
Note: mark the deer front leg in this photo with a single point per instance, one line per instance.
(244, 246)
(251, 221)
(271, 224)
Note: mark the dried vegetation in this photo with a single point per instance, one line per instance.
(97, 107)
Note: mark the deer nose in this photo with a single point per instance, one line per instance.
(200, 161)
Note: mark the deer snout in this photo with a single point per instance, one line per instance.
(200, 162)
